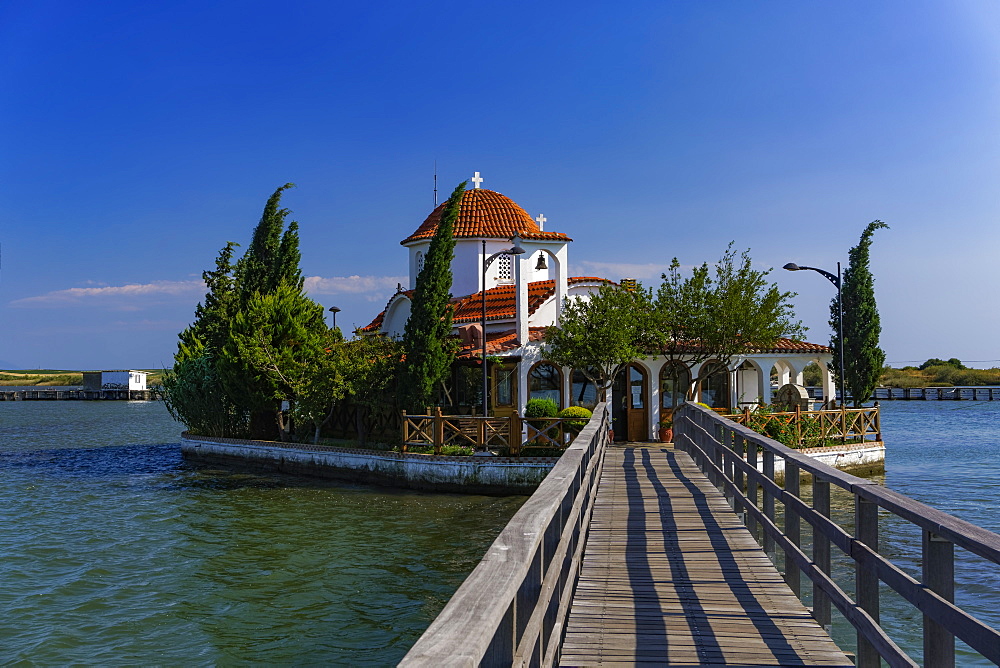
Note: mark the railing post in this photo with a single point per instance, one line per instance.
(481, 434)
(752, 487)
(515, 434)
(739, 452)
(878, 423)
(798, 424)
(939, 577)
(438, 430)
(821, 552)
(768, 500)
(792, 527)
(727, 465)
(717, 445)
(865, 581)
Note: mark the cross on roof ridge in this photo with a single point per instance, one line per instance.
(476, 180)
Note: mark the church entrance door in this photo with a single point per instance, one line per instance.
(629, 412)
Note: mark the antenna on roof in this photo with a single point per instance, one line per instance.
(435, 184)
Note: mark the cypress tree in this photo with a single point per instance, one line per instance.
(863, 358)
(428, 355)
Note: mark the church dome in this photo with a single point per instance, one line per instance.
(485, 214)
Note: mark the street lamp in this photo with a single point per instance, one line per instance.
(791, 266)
(487, 261)
(334, 310)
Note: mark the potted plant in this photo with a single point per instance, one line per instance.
(667, 430)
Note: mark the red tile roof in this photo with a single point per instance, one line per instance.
(500, 342)
(486, 214)
(500, 302)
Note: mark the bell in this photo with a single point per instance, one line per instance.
(541, 262)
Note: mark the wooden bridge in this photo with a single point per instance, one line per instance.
(634, 555)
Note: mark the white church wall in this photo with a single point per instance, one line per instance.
(394, 322)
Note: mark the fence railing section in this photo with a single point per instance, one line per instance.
(728, 454)
(511, 609)
(511, 435)
(813, 428)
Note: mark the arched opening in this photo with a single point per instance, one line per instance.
(420, 262)
(583, 391)
(715, 385)
(545, 382)
(675, 378)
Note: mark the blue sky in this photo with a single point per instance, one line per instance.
(137, 139)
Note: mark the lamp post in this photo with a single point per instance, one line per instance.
(791, 266)
(334, 310)
(487, 261)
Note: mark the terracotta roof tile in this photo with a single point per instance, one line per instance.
(486, 214)
(500, 342)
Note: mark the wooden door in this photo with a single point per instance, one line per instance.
(503, 390)
(637, 404)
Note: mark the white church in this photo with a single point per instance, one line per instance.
(523, 294)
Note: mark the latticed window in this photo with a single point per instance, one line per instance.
(420, 262)
(505, 273)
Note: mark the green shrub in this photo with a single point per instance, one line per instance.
(541, 408)
(576, 426)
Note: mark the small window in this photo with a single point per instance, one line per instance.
(505, 272)
(420, 262)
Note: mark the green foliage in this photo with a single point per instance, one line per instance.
(812, 375)
(720, 313)
(601, 334)
(934, 361)
(540, 408)
(939, 375)
(576, 426)
(370, 367)
(256, 337)
(428, 352)
(863, 358)
(193, 393)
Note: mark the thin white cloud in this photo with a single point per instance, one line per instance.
(120, 297)
(376, 288)
(619, 270)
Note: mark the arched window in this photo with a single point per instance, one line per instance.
(545, 382)
(584, 391)
(505, 273)
(674, 381)
(715, 385)
(420, 262)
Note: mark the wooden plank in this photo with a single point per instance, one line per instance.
(670, 575)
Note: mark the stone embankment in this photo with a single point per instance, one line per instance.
(468, 474)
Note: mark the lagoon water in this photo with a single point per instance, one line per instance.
(114, 551)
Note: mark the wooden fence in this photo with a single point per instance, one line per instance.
(728, 452)
(511, 609)
(811, 428)
(512, 436)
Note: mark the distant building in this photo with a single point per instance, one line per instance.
(127, 379)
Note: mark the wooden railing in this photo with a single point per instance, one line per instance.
(813, 428)
(510, 435)
(728, 452)
(511, 609)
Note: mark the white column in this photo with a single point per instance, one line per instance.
(521, 302)
(829, 388)
(764, 378)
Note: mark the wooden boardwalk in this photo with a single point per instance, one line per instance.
(670, 576)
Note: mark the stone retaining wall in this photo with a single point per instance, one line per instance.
(468, 474)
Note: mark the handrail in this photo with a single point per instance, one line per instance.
(728, 453)
(512, 608)
(514, 434)
(855, 424)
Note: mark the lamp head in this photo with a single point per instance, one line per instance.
(791, 266)
(334, 309)
(517, 250)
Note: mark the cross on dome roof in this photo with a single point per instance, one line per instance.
(541, 221)
(476, 180)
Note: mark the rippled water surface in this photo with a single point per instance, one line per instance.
(114, 551)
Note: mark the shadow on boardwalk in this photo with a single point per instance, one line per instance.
(671, 576)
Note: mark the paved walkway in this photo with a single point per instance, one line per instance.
(671, 576)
